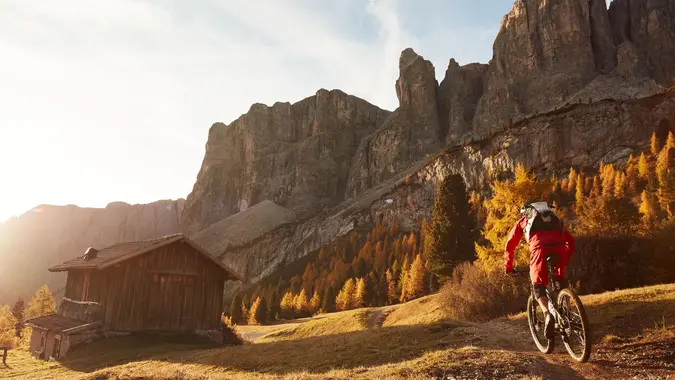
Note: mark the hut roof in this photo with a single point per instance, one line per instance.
(117, 253)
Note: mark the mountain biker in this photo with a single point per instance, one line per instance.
(545, 235)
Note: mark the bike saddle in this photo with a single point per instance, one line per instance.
(552, 259)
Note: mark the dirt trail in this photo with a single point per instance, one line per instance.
(378, 316)
(605, 361)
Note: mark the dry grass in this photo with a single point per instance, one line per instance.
(415, 342)
(423, 311)
(324, 324)
(628, 312)
(473, 294)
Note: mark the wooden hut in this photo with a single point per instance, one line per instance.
(167, 284)
(74, 323)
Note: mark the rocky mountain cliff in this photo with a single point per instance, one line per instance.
(48, 235)
(297, 155)
(570, 83)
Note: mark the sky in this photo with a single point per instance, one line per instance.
(112, 100)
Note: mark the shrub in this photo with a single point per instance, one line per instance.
(476, 294)
(229, 333)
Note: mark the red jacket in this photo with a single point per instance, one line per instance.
(537, 240)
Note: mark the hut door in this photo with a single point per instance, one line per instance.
(56, 349)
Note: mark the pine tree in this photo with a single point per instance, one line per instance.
(579, 194)
(245, 310)
(8, 325)
(654, 145)
(608, 181)
(235, 309)
(308, 278)
(503, 212)
(620, 185)
(670, 141)
(415, 286)
(360, 295)
(41, 304)
(665, 173)
(572, 180)
(647, 209)
(328, 302)
(643, 167)
(314, 303)
(403, 278)
(258, 313)
(343, 301)
(393, 294)
(380, 262)
(450, 239)
(287, 305)
(273, 308)
(301, 304)
(18, 310)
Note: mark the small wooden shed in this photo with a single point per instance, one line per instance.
(74, 323)
(167, 284)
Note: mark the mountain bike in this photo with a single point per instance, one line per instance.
(571, 322)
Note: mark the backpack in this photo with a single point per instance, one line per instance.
(540, 217)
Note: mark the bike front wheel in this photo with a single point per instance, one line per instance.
(537, 321)
(576, 329)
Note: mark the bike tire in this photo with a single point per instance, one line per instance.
(544, 345)
(585, 354)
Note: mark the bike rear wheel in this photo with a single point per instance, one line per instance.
(537, 320)
(576, 336)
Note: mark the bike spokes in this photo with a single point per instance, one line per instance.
(574, 326)
(536, 320)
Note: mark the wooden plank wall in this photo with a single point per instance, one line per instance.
(171, 288)
(75, 285)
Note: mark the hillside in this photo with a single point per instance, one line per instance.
(49, 235)
(575, 84)
(633, 335)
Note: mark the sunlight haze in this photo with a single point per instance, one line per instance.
(112, 100)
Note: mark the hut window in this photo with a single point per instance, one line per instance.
(42, 341)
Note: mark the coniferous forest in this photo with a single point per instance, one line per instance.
(622, 216)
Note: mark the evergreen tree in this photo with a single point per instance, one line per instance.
(235, 309)
(647, 209)
(643, 167)
(7, 328)
(619, 185)
(579, 193)
(301, 304)
(393, 294)
(415, 286)
(450, 240)
(328, 302)
(360, 295)
(572, 182)
(665, 172)
(258, 313)
(18, 310)
(273, 308)
(343, 301)
(314, 303)
(287, 306)
(654, 145)
(41, 304)
(245, 310)
(503, 212)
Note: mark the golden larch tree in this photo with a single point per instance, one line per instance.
(41, 304)
(343, 301)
